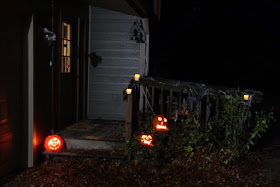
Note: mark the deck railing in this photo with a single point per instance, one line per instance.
(165, 97)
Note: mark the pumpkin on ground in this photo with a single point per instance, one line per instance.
(54, 143)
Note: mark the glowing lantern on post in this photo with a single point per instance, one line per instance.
(128, 91)
(147, 140)
(246, 97)
(160, 123)
(136, 77)
(53, 143)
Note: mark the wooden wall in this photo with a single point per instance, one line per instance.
(110, 39)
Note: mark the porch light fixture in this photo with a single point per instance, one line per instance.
(136, 77)
(128, 91)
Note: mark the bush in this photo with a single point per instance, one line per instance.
(233, 132)
(238, 127)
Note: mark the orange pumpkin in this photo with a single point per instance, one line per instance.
(160, 123)
(53, 143)
(147, 140)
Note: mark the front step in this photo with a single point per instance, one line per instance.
(93, 144)
(106, 135)
(102, 154)
(102, 139)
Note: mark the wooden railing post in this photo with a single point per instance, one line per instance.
(161, 101)
(199, 107)
(141, 98)
(217, 106)
(128, 122)
(190, 103)
(170, 103)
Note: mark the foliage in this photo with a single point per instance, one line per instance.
(232, 133)
(238, 126)
(190, 130)
(157, 154)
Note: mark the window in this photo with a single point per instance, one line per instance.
(66, 48)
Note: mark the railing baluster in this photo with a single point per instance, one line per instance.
(146, 97)
(207, 115)
(128, 122)
(170, 103)
(153, 97)
(161, 101)
(190, 103)
(141, 98)
(180, 97)
(199, 107)
(217, 106)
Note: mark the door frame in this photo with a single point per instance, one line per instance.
(79, 66)
(30, 94)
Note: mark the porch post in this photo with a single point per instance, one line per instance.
(128, 122)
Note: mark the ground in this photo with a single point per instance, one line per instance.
(255, 170)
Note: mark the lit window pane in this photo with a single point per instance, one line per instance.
(66, 48)
(69, 32)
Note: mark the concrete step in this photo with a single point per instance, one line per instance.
(93, 144)
(101, 153)
(94, 135)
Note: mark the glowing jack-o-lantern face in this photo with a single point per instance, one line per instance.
(146, 140)
(160, 123)
(53, 143)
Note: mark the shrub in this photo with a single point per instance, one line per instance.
(233, 132)
(238, 126)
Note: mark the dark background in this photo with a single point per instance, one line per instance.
(233, 43)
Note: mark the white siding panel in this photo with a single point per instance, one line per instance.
(110, 36)
(110, 27)
(120, 61)
(107, 44)
(118, 53)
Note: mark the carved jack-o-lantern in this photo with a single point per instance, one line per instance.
(160, 123)
(147, 140)
(53, 143)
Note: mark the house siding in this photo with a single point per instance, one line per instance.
(110, 39)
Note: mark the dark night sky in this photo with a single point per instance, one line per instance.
(233, 43)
